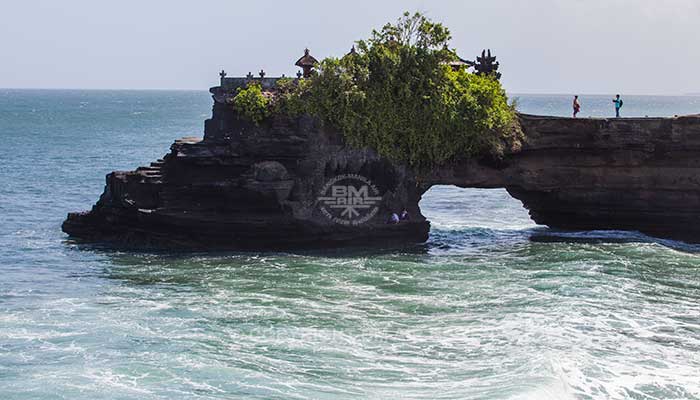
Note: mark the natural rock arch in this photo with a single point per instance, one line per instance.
(250, 186)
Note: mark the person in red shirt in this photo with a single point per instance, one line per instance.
(577, 106)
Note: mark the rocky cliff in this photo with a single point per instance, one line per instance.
(253, 186)
(639, 174)
(290, 183)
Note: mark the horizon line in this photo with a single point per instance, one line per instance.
(690, 94)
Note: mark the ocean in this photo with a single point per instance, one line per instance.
(486, 309)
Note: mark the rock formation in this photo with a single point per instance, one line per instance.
(246, 186)
(637, 174)
(250, 187)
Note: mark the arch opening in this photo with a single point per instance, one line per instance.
(449, 207)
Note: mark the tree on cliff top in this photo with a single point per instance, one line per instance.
(397, 95)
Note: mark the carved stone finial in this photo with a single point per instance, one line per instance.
(249, 76)
(307, 63)
(261, 73)
(487, 65)
(222, 74)
(299, 74)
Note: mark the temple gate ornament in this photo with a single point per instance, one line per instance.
(307, 63)
(487, 65)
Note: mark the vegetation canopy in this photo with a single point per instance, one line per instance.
(398, 95)
(252, 103)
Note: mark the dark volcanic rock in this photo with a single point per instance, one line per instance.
(637, 174)
(250, 187)
(628, 174)
(260, 187)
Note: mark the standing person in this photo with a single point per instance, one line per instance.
(393, 219)
(577, 106)
(618, 105)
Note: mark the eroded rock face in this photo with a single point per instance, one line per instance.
(251, 187)
(262, 187)
(639, 174)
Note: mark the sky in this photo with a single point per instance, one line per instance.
(544, 46)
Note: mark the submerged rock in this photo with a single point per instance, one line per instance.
(292, 183)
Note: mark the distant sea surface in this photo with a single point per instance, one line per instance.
(484, 310)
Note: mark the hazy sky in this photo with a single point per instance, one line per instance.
(545, 46)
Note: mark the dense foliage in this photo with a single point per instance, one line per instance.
(396, 94)
(251, 103)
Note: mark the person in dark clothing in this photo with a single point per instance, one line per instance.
(618, 105)
(404, 215)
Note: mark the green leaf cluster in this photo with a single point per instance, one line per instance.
(251, 103)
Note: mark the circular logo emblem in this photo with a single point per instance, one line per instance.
(349, 199)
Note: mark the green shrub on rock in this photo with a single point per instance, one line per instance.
(251, 103)
(398, 95)
(290, 97)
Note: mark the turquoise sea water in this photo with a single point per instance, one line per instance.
(484, 310)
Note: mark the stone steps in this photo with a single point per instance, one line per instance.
(188, 140)
(148, 169)
(151, 174)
